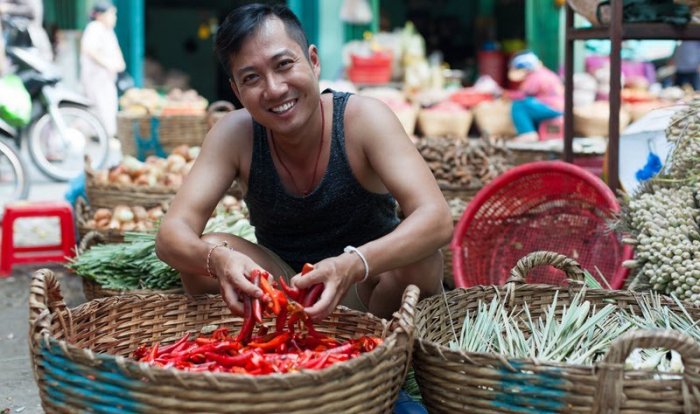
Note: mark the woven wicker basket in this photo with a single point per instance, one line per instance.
(171, 130)
(111, 195)
(459, 382)
(493, 118)
(81, 364)
(93, 290)
(435, 123)
(82, 216)
(465, 194)
(593, 120)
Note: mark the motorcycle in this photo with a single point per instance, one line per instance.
(14, 176)
(62, 130)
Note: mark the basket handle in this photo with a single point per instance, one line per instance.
(611, 370)
(574, 271)
(45, 303)
(402, 323)
(91, 238)
(82, 211)
(403, 320)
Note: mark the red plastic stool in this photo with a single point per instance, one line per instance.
(551, 129)
(11, 255)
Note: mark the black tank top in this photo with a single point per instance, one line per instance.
(337, 213)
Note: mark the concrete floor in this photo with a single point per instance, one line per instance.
(18, 391)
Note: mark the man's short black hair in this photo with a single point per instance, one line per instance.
(243, 21)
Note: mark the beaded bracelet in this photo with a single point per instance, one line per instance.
(211, 250)
(352, 249)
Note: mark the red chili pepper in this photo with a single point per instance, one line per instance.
(292, 292)
(317, 363)
(281, 319)
(313, 294)
(153, 353)
(257, 306)
(228, 361)
(172, 347)
(248, 321)
(274, 302)
(310, 327)
(271, 344)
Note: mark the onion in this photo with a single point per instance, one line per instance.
(102, 213)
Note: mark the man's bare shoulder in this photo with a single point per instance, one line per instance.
(365, 106)
(234, 127)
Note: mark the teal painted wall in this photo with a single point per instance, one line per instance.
(543, 31)
(130, 32)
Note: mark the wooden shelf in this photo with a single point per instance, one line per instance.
(658, 31)
(616, 31)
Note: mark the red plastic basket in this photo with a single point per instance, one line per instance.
(374, 69)
(544, 205)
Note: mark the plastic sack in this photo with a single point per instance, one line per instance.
(15, 102)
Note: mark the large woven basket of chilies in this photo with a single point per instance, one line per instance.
(136, 354)
(458, 370)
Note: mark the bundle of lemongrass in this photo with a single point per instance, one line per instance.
(578, 333)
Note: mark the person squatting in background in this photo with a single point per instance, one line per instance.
(101, 60)
(686, 59)
(539, 97)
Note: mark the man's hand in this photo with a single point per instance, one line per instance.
(232, 269)
(335, 274)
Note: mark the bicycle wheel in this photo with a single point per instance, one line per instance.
(14, 178)
(63, 157)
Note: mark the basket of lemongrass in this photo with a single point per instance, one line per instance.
(579, 348)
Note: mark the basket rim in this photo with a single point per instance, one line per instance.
(403, 324)
(380, 350)
(424, 344)
(462, 226)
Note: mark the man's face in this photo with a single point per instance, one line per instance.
(274, 80)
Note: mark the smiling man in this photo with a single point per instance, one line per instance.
(322, 176)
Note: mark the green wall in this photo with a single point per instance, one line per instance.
(543, 31)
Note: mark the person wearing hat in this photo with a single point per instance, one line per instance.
(539, 97)
(101, 60)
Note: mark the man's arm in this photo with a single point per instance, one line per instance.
(399, 166)
(178, 242)
(384, 159)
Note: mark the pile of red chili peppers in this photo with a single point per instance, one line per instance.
(294, 345)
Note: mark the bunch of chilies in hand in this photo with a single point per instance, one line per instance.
(293, 346)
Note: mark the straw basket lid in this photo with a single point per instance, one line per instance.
(460, 381)
(80, 358)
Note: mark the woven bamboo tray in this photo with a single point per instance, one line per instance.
(81, 364)
(469, 382)
(93, 290)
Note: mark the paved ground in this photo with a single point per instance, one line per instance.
(18, 390)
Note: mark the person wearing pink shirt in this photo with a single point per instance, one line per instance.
(539, 97)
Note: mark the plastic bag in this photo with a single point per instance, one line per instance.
(15, 102)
